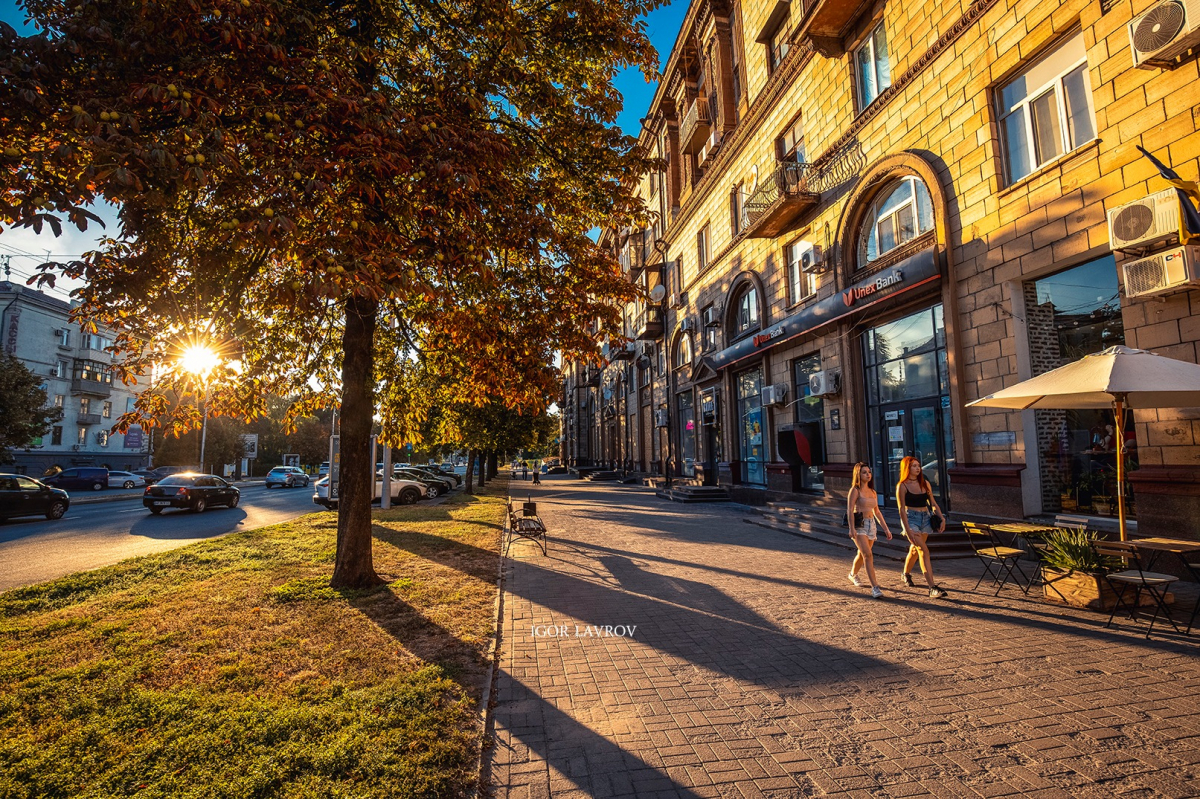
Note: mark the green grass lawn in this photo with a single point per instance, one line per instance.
(229, 668)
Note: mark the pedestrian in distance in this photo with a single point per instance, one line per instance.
(864, 519)
(524, 470)
(537, 475)
(919, 514)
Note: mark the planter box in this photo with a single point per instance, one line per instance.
(1089, 591)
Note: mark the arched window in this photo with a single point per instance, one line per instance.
(902, 212)
(746, 312)
(683, 352)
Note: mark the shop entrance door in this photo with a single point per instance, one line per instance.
(917, 428)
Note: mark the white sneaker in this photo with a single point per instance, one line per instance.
(876, 593)
(854, 578)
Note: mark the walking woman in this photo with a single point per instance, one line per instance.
(914, 498)
(864, 518)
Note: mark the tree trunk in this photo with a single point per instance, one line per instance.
(482, 468)
(353, 566)
(491, 464)
(470, 489)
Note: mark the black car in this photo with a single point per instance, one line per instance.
(93, 478)
(192, 491)
(24, 496)
(440, 472)
(434, 486)
(150, 477)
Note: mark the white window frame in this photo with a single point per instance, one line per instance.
(753, 319)
(106, 410)
(874, 218)
(61, 368)
(859, 82)
(82, 436)
(786, 153)
(64, 337)
(702, 248)
(102, 438)
(60, 400)
(684, 353)
(1055, 84)
(797, 277)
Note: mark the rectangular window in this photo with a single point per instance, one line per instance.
(129, 401)
(85, 405)
(59, 400)
(56, 436)
(790, 146)
(735, 57)
(702, 249)
(737, 204)
(871, 61)
(102, 436)
(106, 410)
(801, 284)
(708, 318)
(82, 437)
(61, 368)
(779, 45)
(63, 337)
(1046, 110)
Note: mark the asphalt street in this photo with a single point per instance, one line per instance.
(91, 536)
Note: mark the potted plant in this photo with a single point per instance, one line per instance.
(1068, 500)
(1102, 505)
(1074, 572)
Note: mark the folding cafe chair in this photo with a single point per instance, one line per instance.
(1133, 576)
(992, 553)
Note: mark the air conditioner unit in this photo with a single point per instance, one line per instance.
(774, 395)
(687, 324)
(823, 383)
(1152, 218)
(673, 301)
(1159, 37)
(709, 148)
(1162, 273)
(661, 419)
(811, 262)
(712, 316)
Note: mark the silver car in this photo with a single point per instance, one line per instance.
(287, 477)
(125, 480)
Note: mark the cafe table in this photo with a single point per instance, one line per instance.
(1157, 546)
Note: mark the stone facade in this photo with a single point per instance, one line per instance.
(75, 367)
(879, 94)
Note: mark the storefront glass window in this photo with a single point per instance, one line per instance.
(751, 427)
(1069, 315)
(810, 410)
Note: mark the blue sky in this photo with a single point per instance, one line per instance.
(662, 25)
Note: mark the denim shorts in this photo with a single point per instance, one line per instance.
(869, 528)
(918, 521)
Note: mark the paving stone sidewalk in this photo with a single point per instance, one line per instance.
(756, 669)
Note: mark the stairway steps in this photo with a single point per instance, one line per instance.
(825, 524)
(692, 493)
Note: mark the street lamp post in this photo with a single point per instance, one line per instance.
(204, 427)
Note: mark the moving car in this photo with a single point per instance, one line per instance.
(404, 492)
(124, 480)
(88, 478)
(24, 496)
(192, 491)
(150, 477)
(287, 476)
(165, 471)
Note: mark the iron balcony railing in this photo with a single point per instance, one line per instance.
(789, 182)
(694, 129)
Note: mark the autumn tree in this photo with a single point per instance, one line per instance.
(24, 416)
(303, 183)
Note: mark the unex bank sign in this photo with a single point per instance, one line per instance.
(853, 295)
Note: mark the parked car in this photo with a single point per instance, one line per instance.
(24, 496)
(447, 466)
(192, 491)
(323, 469)
(150, 477)
(124, 480)
(87, 478)
(287, 476)
(440, 472)
(166, 471)
(404, 492)
(436, 485)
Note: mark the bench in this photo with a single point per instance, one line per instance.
(525, 524)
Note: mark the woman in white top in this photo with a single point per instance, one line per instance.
(864, 518)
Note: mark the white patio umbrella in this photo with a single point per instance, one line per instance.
(1118, 377)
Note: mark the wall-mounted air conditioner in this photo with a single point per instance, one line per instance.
(1155, 217)
(774, 395)
(673, 301)
(661, 418)
(1162, 273)
(823, 383)
(1164, 33)
(687, 324)
(712, 316)
(811, 262)
(709, 148)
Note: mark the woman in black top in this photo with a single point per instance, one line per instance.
(914, 498)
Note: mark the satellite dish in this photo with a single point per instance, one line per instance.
(658, 293)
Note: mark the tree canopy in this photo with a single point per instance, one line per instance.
(24, 416)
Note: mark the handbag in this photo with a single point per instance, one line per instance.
(935, 521)
(858, 520)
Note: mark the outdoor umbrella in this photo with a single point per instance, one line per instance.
(1118, 377)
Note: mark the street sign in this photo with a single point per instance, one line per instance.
(250, 445)
(291, 459)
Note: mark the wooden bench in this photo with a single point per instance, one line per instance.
(523, 524)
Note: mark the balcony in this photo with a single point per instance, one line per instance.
(779, 200)
(649, 323)
(622, 352)
(828, 22)
(696, 124)
(88, 419)
(96, 388)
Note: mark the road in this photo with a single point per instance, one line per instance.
(95, 535)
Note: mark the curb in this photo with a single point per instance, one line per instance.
(486, 738)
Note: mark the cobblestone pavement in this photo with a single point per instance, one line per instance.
(756, 669)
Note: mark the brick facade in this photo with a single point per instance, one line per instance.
(938, 121)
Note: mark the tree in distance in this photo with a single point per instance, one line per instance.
(24, 416)
(300, 184)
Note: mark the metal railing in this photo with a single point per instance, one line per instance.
(699, 114)
(788, 180)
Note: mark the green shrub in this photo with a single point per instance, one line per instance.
(1070, 549)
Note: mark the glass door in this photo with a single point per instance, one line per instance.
(917, 429)
(751, 433)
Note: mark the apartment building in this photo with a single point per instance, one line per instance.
(872, 213)
(77, 372)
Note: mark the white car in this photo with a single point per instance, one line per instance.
(286, 476)
(124, 480)
(404, 492)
